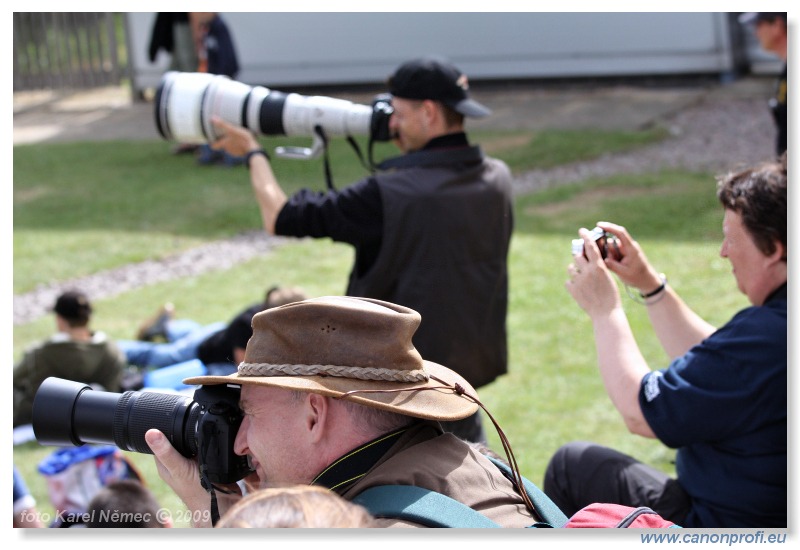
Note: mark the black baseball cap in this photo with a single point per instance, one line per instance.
(438, 79)
(73, 305)
(753, 17)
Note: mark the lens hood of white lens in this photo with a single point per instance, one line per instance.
(224, 98)
(182, 104)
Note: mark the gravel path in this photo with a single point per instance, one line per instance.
(714, 135)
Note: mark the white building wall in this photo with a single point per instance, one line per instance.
(298, 49)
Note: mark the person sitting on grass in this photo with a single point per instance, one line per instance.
(219, 346)
(722, 400)
(75, 352)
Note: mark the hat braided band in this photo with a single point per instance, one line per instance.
(361, 373)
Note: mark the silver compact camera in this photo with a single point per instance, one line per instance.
(606, 242)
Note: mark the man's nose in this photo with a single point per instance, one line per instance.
(240, 443)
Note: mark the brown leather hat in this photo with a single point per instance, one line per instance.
(336, 344)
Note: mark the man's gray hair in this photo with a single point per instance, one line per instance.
(368, 420)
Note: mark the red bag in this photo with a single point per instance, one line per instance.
(601, 516)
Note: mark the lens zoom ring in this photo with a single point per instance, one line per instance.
(138, 412)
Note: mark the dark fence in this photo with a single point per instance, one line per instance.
(68, 50)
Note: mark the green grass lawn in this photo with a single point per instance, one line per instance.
(80, 209)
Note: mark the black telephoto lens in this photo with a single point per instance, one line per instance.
(72, 413)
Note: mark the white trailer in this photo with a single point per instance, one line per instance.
(319, 49)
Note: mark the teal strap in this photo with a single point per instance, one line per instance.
(421, 506)
(434, 509)
(546, 508)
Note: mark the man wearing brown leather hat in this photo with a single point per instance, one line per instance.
(334, 393)
(431, 228)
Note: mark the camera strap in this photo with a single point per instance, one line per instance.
(204, 481)
(514, 474)
(370, 166)
(326, 158)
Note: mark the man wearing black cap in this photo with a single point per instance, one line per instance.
(75, 352)
(771, 31)
(431, 228)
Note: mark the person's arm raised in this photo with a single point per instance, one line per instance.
(621, 364)
(678, 327)
(238, 141)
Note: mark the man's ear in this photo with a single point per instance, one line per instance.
(433, 113)
(316, 412)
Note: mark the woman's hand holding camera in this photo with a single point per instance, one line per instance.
(590, 282)
(632, 268)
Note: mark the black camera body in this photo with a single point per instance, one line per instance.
(205, 426)
(382, 111)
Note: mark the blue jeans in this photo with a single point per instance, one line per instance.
(183, 338)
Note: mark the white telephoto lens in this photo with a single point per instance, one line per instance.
(302, 114)
(183, 107)
(224, 98)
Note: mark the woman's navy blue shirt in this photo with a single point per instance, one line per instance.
(723, 406)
